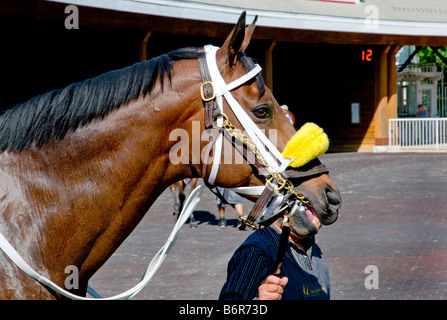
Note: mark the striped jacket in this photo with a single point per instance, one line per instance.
(255, 260)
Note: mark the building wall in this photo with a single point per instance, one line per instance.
(41, 56)
(319, 82)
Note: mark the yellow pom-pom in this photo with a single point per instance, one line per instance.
(308, 142)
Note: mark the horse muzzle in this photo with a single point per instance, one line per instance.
(325, 204)
(307, 219)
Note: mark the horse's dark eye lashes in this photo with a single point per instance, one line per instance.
(262, 112)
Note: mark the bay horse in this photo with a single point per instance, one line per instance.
(80, 166)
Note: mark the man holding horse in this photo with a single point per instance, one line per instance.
(304, 273)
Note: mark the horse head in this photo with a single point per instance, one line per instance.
(322, 199)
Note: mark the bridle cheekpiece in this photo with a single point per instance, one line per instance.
(278, 196)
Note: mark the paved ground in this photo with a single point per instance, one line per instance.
(394, 217)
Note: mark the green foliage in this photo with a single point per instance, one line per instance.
(427, 55)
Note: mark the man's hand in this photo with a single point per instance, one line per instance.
(272, 288)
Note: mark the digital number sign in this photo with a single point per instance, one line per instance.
(367, 55)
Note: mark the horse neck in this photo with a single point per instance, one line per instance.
(89, 190)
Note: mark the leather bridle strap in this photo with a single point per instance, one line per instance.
(312, 169)
(212, 102)
(255, 212)
(207, 91)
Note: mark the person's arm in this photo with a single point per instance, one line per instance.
(246, 271)
(247, 277)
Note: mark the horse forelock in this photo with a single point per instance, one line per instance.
(248, 64)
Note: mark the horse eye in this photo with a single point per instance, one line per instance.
(262, 112)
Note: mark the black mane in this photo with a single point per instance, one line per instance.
(53, 114)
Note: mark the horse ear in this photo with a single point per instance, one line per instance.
(239, 39)
(248, 33)
(235, 40)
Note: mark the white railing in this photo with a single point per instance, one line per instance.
(423, 67)
(417, 133)
(442, 101)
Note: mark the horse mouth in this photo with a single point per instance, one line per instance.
(304, 220)
(313, 216)
(321, 209)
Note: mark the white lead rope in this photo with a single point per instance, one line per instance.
(154, 265)
(189, 206)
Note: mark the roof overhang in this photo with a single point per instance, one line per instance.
(273, 19)
(418, 76)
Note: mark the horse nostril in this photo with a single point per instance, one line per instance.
(333, 197)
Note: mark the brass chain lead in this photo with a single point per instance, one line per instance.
(281, 181)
